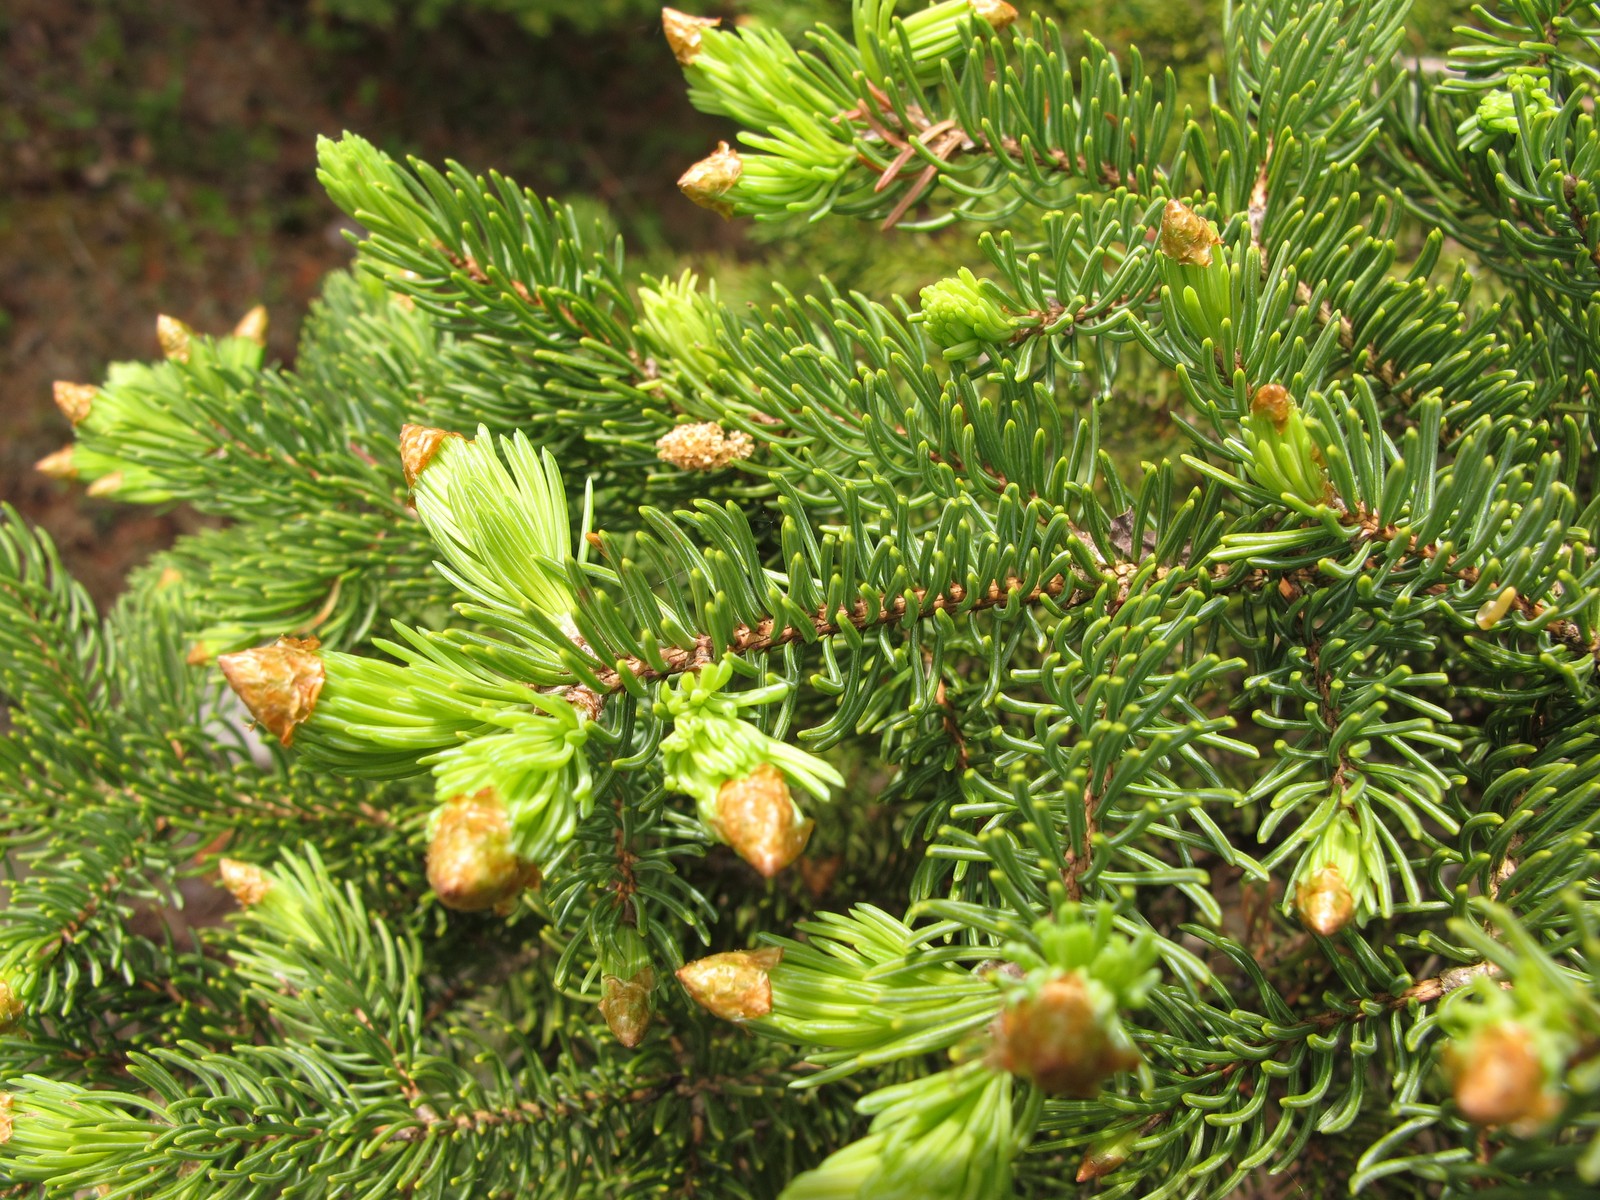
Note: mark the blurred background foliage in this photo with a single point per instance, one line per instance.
(156, 156)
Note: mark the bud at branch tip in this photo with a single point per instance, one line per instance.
(279, 684)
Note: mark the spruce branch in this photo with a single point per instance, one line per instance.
(53, 659)
(1173, 640)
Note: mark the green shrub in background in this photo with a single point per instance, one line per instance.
(795, 749)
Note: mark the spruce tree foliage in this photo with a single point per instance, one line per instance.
(796, 751)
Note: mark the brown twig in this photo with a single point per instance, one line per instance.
(767, 635)
(1565, 632)
(944, 140)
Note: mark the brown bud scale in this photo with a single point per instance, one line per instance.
(756, 816)
(279, 684)
(625, 1004)
(253, 325)
(1098, 1163)
(703, 446)
(684, 31)
(247, 883)
(1186, 236)
(174, 337)
(74, 399)
(1498, 1078)
(1055, 1039)
(1324, 902)
(712, 178)
(470, 863)
(58, 465)
(418, 445)
(734, 986)
(1272, 401)
(997, 13)
(107, 485)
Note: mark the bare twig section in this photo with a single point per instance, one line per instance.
(944, 140)
(1257, 214)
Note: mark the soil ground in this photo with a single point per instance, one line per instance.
(157, 156)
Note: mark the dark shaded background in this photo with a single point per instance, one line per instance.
(158, 156)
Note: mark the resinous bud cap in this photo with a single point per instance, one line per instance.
(279, 683)
(625, 1004)
(58, 465)
(703, 446)
(1498, 1078)
(74, 399)
(1056, 1036)
(712, 178)
(735, 986)
(683, 32)
(756, 815)
(418, 445)
(246, 882)
(253, 325)
(997, 13)
(471, 866)
(1272, 402)
(1186, 236)
(1324, 902)
(174, 337)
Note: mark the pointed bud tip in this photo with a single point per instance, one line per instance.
(1106, 1155)
(1324, 902)
(74, 399)
(279, 684)
(712, 178)
(471, 866)
(253, 325)
(684, 31)
(1186, 236)
(58, 465)
(756, 815)
(625, 1005)
(174, 337)
(418, 445)
(1098, 1165)
(735, 986)
(246, 882)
